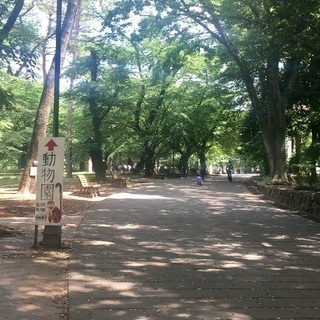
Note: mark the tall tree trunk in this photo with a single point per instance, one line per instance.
(314, 155)
(140, 164)
(149, 159)
(49, 33)
(183, 162)
(296, 156)
(4, 32)
(274, 142)
(98, 163)
(27, 184)
(273, 125)
(146, 161)
(271, 119)
(202, 158)
(70, 102)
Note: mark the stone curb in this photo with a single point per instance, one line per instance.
(306, 202)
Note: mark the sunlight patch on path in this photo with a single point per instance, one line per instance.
(125, 195)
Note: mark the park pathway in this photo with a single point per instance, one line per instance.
(172, 250)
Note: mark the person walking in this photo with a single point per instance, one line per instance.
(229, 169)
(199, 179)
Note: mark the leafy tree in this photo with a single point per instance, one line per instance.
(20, 42)
(159, 62)
(16, 122)
(5, 99)
(257, 36)
(157, 73)
(6, 28)
(41, 123)
(252, 148)
(203, 116)
(304, 117)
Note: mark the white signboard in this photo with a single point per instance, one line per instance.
(49, 181)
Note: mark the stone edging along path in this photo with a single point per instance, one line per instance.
(306, 202)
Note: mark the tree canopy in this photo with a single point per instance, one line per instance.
(155, 83)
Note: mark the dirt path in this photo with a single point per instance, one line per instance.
(33, 282)
(175, 250)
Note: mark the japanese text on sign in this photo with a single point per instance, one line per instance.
(50, 181)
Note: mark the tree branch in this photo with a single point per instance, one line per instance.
(11, 20)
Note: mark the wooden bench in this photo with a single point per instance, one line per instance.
(87, 187)
(118, 181)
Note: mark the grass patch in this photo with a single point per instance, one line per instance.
(11, 180)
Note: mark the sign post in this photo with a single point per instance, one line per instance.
(49, 195)
(52, 233)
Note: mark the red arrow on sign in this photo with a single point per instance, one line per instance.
(51, 145)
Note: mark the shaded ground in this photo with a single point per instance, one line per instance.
(33, 283)
(175, 250)
(13, 205)
(26, 208)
